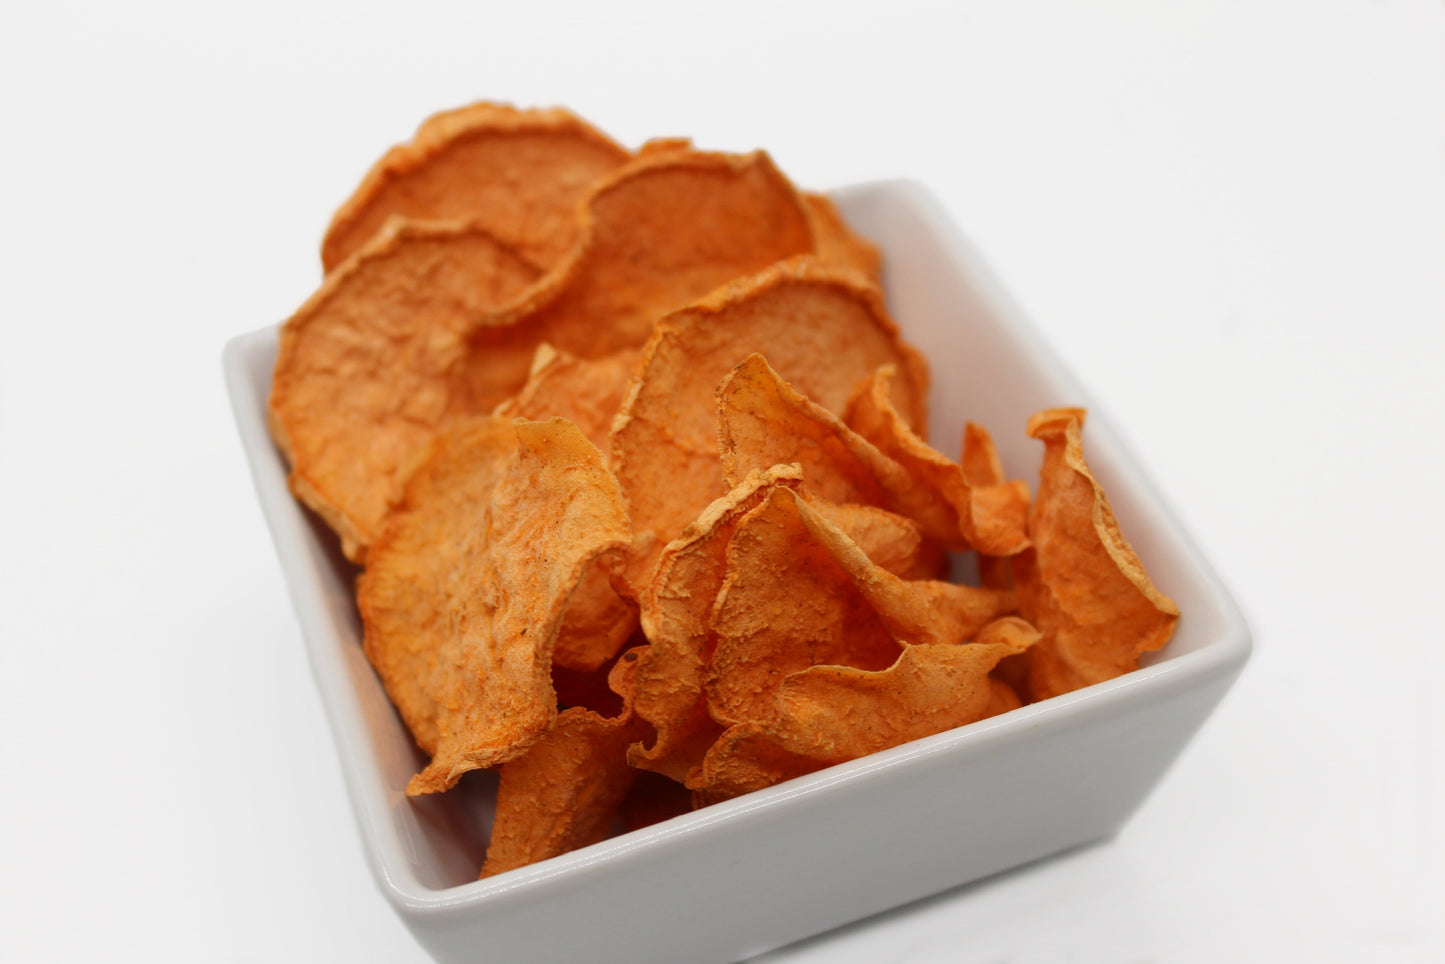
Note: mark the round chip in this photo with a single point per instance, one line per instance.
(518, 174)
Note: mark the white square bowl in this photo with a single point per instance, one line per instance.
(770, 868)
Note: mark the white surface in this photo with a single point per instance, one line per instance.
(791, 861)
(1228, 217)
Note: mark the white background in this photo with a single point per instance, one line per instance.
(1228, 217)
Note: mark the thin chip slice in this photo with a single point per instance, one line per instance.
(762, 420)
(585, 391)
(836, 713)
(676, 608)
(786, 604)
(796, 313)
(996, 504)
(519, 174)
(830, 714)
(745, 758)
(566, 790)
(367, 371)
(1082, 584)
(659, 233)
(890, 541)
(915, 611)
(838, 243)
(598, 623)
(464, 594)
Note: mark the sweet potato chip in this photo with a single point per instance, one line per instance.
(837, 243)
(785, 604)
(890, 541)
(584, 391)
(874, 415)
(998, 508)
(464, 593)
(827, 714)
(797, 313)
(915, 611)
(664, 230)
(566, 790)
(519, 174)
(838, 713)
(1082, 584)
(366, 369)
(763, 421)
(676, 609)
(745, 758)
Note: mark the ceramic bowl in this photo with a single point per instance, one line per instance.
(763, 870)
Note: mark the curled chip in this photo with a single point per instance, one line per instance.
(800, 592)
(371, 367)
(762, 421)
(785, 604)
(664, 447)
(841, 713)
(586, 392)
(676, 615)
(519, 174)
(839, 244)
(829, 713)
(743, 759)
(890, 541)
(998, 508)
(566, 790)
(1082, 584)
(914, 610)
(873, 414)
(464, 594)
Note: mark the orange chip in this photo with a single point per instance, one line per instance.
(828, 714)
(997, 507)
(519, 174)
(838, 243)
(664, 230)
(763, 421)
(838, 713)
(366, 370)
(664, 447)
(676, 609)
(1082, 584)
(745, 758)
(465, 592)
(785, 605)
(873, 414)
(915, 611)
(566, 790)
(585, 391)
(890, 541)
(598, 623)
